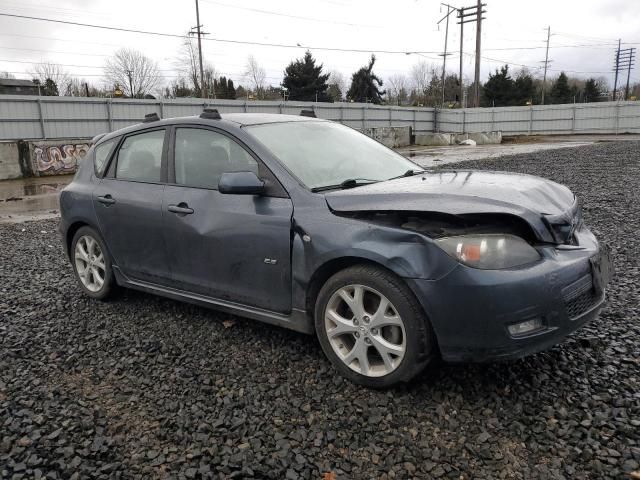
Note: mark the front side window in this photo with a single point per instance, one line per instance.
(202, 156)
(140, 157)
(322, 154)
(101, 155)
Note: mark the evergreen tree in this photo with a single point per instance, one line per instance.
(524, 89)
(50, 88)
(591, 91)
(224, 89)
(560, 90)
(241, 93)
(304, 80)
(499, 90)
(364, 85)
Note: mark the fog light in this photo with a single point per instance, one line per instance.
(528, 326)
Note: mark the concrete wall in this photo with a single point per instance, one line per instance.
(55, 157)
(443, 139)
(9, 161)
(392, 137)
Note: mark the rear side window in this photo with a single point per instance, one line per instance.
(202, 156)
(102, 153)
(140, 157)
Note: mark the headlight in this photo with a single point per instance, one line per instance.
(489, 252)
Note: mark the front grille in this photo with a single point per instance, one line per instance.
(581, 304)
(579, 297)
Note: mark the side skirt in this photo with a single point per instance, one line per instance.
(297, 320)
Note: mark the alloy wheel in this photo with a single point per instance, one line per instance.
(90, 263)
(365, 330)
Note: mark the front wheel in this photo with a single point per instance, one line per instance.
(91, 263)
(372, 328)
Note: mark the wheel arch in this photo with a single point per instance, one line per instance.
(71, 232)
(329, 268)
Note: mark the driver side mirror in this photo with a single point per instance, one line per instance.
(241, 183)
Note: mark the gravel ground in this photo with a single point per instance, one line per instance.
(144, 387)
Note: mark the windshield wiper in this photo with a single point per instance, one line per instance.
(348, 183)
(408, 173)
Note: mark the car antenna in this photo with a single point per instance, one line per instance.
(308, 113)
(210, 113)
(151, 117)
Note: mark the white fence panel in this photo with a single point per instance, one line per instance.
(27, 117)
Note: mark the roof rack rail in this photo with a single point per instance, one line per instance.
(151, 117)
(210, 113)
(308, 113)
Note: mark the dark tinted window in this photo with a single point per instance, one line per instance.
(202, 156)
(140, 157)
(101, 155)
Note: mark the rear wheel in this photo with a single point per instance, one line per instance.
(372, 328)
(91, 263)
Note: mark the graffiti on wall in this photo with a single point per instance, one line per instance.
(58, 159)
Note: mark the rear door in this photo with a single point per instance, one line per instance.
(231, 247)
(128, 204)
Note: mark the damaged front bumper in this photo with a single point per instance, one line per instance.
(471, 310)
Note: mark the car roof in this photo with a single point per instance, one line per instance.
(226, 120)
(260, 118)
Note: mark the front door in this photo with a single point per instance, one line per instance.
(128, 204)
(230, 247)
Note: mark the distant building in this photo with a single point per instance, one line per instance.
(12, 86)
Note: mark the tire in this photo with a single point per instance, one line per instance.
(94, 250)
(398, 344)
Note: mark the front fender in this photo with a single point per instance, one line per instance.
(408, 254)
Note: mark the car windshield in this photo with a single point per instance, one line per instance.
(326, 154)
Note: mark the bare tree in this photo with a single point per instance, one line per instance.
(188, 63)
(6, 75)
(255, 75)
(337, 78)
(398, 89)
(135, 73)
(51, 71)
(425, 79)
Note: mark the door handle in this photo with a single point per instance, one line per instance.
(182, 208)
(106, 199)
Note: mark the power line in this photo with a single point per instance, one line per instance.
(211, 39)
(286, 15)
(55, 51)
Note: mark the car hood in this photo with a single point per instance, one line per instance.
(550, 208)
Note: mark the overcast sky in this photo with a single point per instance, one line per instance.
(375, 25)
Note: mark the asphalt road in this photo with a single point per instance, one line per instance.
(144, 387)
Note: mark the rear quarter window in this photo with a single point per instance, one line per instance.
(101, 155)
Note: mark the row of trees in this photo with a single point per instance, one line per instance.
(501, 89)
(136, 75)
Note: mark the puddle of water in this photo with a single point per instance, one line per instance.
(42, 189)
(15, 190)
(30, 197)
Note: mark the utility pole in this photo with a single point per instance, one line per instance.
(476, 87)
(130, 75)
(203, 83)
(546, 63)
(617, 68)
(631, 54)
(460, 13)
(475, 13)
(624, 60)
(450, 10)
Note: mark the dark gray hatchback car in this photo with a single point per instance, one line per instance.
(310, 225)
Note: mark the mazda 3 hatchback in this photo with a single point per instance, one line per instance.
(310, 225)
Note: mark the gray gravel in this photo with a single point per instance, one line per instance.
(146, 387)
